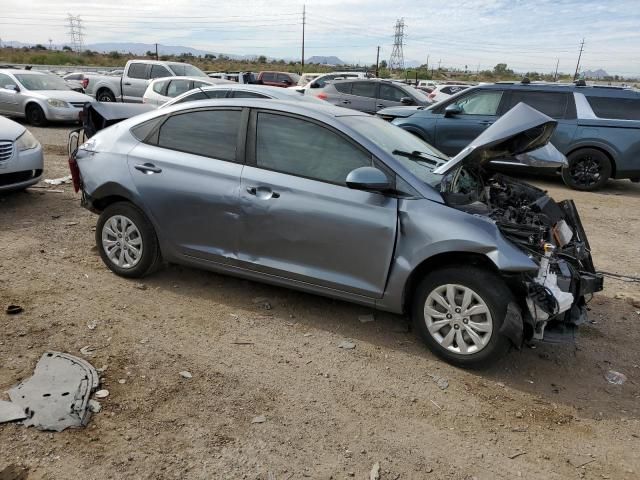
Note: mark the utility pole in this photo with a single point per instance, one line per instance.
(50, 44)
(575, 75)
(157, 52)
(427, 68)
(439, 62)
(75, 32)
(396, 62)
(378, 62)
(555, 75)
(304, 21)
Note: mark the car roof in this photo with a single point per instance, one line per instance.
(15, 71)
(587, 90)
(183, 77)
(250, 87)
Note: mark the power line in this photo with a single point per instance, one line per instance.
(575, 75)
(396, 62)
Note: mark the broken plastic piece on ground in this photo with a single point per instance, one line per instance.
(10, 412)
(14, 309)
(58, 181)
(616, 378)
(57, 395)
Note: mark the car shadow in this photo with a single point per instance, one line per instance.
(569, 374)
(555, 183)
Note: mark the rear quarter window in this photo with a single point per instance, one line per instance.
(137, 70)
(615, 108)
(343, 87)
(553, 104)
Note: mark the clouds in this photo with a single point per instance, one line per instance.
(525, 34)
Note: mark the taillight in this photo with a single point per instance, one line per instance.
(322, 96)
(75, 173)
(432, 95)
(85, 82)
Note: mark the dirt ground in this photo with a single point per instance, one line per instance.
(544, 412)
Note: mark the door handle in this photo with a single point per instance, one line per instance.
(148, 168)
(128, 84)
(380, 105)
(346, 102)
(486, 122)
(264, 193)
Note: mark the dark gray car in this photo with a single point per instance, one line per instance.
(371, 95)
(343, 204)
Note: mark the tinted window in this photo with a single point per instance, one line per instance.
(75, 76)
(269, 77)
(480, 102)
(305, 149)
(364, 89)
(452, 90)
(618, 108)
(143, 130)
(186, 70)
(200, 84)
(283, 78)
(343, 87)
(553, 104)
(137, 70)
(193, 96)
(243, 94)
(178, 87)
(159, 87)
(391, 93)
(158, 71)
(216, 93)
(6, 80)
(211, 133)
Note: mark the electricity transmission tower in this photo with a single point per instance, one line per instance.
(75, 32)
(396, 62)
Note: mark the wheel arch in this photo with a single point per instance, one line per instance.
(600, 147)
(102, 88)
(38, 103)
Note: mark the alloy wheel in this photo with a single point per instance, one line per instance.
(122, 242)
(458, 319)
(586, 171)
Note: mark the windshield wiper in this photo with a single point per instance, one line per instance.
(434, 159)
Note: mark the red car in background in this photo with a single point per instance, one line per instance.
(278, 79)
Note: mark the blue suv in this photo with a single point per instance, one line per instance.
(598, 127)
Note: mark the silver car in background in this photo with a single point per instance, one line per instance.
(343, 204)
(235, 90)
(162, 90)
(39, 97)
(21, 161)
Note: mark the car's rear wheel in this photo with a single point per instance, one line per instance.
(588, 169)
(458, 311)
(105, 95)
(35, 115)
(126, 240)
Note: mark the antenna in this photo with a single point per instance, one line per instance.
(396, 62)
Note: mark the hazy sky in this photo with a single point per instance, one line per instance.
(527, 35)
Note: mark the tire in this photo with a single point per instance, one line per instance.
(105, 95)
(124, 225)
(35, 115)
(487, 292)
(588, 169)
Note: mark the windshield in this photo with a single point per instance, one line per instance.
(418, 94)
(186, 70)
(34, 81)
(417, 156)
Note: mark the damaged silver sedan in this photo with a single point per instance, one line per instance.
(342, 204)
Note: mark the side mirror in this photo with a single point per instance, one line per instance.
(314, 85)
(13, 88)
(406, 101)
(368, 178)
(453, 109)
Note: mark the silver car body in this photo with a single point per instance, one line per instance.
(60, 104)
(328, 239)
(235, 90)
(161, 90)
(20, 167)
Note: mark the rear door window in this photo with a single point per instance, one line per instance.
(268, 77)
(178, 87)
(159, 87)
(158, 71)
(391, 93)
(209, 133)
(615, 108)
(364, 89)
(343, 87)
(553, 104)
(480, 102)
(245, 94)
(137, 70)
(305, 149)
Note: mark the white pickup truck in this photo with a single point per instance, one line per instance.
(130, 87)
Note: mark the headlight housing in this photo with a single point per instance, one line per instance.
(26, 141)
(54, 102)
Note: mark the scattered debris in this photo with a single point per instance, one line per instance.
(13, 472)
(615, 378)
(92, 324)
(518, 414)
(71, 224)
(375, 472)
(102, 394)
(347, 345)
(517, 454)
(366, 318)
(242, 343)
(185, 374)
(579, 461)
(308, 335)
(442, 382)
(94, 406)
(140, 286)
(56, 397)
(439, 407)
(88, 351)
(58, 181)
(122, 381)
(14, 309)
(259, 419)
(10, 412)
(45, 189)
(262, 302)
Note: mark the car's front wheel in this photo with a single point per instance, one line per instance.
(35, 115)
(458, 311)
(127, 241)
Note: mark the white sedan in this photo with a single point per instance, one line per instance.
(161, 90)
(442, 92)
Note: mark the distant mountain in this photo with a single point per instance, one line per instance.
(325, 60)
(598, 74)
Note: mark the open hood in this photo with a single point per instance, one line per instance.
(519, 131)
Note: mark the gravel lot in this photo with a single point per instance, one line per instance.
(544, 412)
